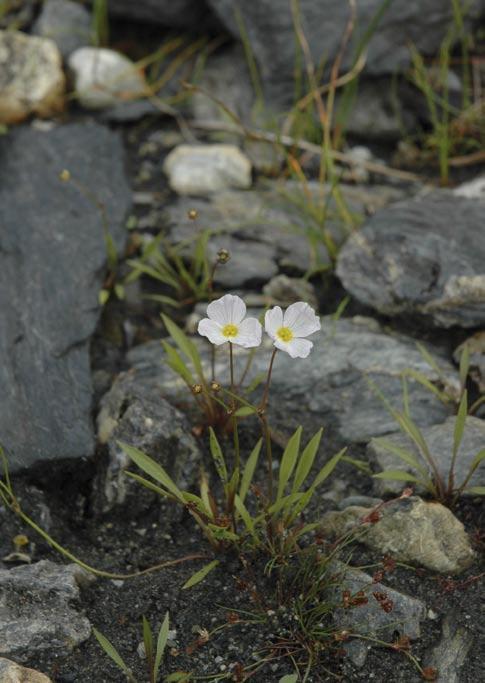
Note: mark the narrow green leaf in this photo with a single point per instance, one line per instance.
(147, 641)
(103, 296)
(429, 359)
(185, 344)
(288, 461)
(289, 678)
(477, 490)
(464, 365)
(177, 364)
(112, 652)
(148, 484)
(402, 453)
(246, 517)
(152, 468)
(111, 251)
(161, 644)
(249, 469)
(245, 411)
(284, 502)
(217, 456)
(422, 379)
(396, 475)
(477, 459)
(255, 382)
(200, 575)
(179, 677)
(410, 428)
(145, 269)
(328, 468)
(460, 423)
(306, 460)
(162, 299)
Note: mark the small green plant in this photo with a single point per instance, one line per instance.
(100, 23)
(153, 654)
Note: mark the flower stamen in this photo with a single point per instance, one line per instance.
(285, 334)
(230, 330)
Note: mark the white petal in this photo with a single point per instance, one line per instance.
(210, 329)
(301, 319)
(249, 333)
(296, 348)
(227, 309)
(273, 320)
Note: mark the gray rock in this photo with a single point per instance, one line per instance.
(10, 672)
(421, 256)
(134, 411)
(52, 256)
(439, 438)
(284, 290)
(65, 22)
(103, 77)
(449, 655)
(370, 619)
(329, 388)
(473, 189)
(412, 531)
(36, 613)
(182, 14)
(270, 28)
(251, 263)
(31, 77)
(203, 169)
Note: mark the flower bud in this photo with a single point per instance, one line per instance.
(65, 175)
(192, 214)
(215, 386)
(223, 256)
(197, 389)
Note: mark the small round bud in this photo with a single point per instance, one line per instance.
(192, 214)
(223, 256)
(65, 175)
(197, 388)
(215, 386)
(20, 541)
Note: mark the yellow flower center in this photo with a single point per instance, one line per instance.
(229, 330)
(285, 334)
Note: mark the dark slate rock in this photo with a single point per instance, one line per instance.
(451, 653)
(270, 28)
(52, 258)
(331, 387)
(65, 22)
(135, 412)
(423, 256)
(181, 14)
(36, 614)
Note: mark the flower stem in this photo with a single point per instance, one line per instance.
(264, 400)
(234, 418)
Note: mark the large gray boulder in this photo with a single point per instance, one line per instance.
(270, 28)
(67, 23)
(52, 258)
(423, 256)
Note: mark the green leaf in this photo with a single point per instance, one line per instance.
(139, 267)
(328, 468)
(422, 379)
(396, 475)
(179, 677)
(477, 460)
(147, 640)
(477, 490)
(460, 423)
(111, 251)
(410, 428)
(464, 364)
(246, 517)
(289, 678)
(245, 411)
(306, 460)
(177, 364)
(152, 468)
(103, 296)
(161, 644)
(112, 652)
(217, 456)
(284, 502)
(200, 575)
(148, 484)
(255, 382)
(185, 344)
(249, 469)
(401, 453)
(288, 461)
(429, 359)
(162, 299)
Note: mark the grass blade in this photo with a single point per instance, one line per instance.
(396, 475)
(306, 461)
(217, 456)
(161, 644)
(152, 468)
(113, 653)
(288, 461)
(249, 469)
(200, 575)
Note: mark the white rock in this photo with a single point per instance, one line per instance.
(204, 169)
(473, 189)
(31, 77)
(103, 78)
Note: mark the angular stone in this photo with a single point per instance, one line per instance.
(370, 619)
(52, 256)
(411, 258)
(331, 387)
(204, 169)
(271, 33)
(439, 438)
(67, 23)
(103, 78)
(449, 655)
(135, 412)
(10, 672)
(35, 610)
(31, 77)
(284, 290)
(410, 530)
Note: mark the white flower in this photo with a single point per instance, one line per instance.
(288, 330)
(226, 323)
